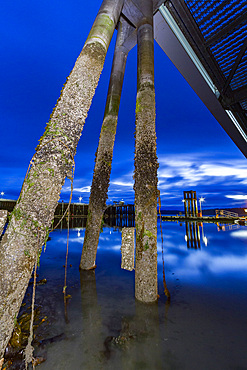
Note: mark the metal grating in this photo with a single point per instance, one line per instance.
(213, 15)
(222, 27)
(244, 105)
(227, 48)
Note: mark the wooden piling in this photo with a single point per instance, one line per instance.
(146, 164)
(103, 161)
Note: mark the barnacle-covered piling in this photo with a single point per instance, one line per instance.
(127, 248)
(103, 161)
(146, 164)
(51, 164)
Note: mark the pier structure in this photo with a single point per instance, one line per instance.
(225, 213)
(207, 42)
(120, 215)
(190, 204)
(116, 214)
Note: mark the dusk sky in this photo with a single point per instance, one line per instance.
(40, 42)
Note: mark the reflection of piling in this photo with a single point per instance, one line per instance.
(147, 318)
(193, 235)
(92, 340)
(145, 163)
(76, 209)
(74, 222)
(120, 215)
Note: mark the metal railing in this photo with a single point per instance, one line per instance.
(224, 213)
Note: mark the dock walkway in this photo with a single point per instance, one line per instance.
(207, 219)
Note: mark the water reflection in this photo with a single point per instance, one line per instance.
(113, 340)
(74, 222)
(92, 338)
(227, 227)
(194, 235)
(222, 255)
(109, 329)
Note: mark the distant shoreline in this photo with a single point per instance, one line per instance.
(211, 211)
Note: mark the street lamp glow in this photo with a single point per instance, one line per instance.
(80, 199)
(201, 200)
(2, 193)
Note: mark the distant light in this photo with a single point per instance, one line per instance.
(2, 193)
(201, 199)
(80, 199)
(78, 234)
(245, 210)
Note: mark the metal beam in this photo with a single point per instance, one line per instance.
(132, 12)
(179, 57)
(240, 94)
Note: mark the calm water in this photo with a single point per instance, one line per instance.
(203, 326)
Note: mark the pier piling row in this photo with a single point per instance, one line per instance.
(103, 161)
(53, 162)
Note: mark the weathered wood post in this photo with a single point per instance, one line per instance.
(103, 161)
(52, 163)
(145, 163)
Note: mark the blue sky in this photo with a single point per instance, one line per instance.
(40, 42)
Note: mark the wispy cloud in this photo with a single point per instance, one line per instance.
(237, 197)
(194, 170)
(208, 176)
(122, 183)
(83, 189)
(219, 180)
